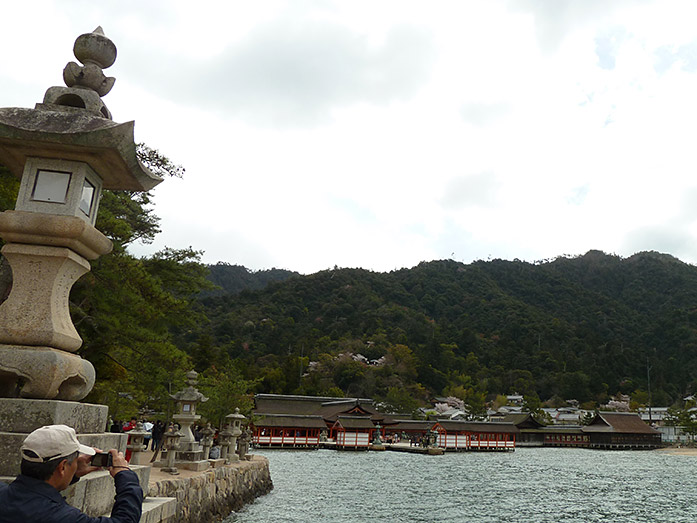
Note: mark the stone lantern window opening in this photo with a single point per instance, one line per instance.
(62, 187)
(51, 186)
(87, 198)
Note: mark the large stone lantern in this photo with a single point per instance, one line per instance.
(187, 399)
(65, 150)
(190, 452)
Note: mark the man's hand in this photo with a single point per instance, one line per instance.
(84, 466)
(119, 463)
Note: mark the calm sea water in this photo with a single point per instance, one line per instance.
(540, 485)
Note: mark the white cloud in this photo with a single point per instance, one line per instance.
(322, 133)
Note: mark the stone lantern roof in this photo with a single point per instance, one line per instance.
(236, 415)
(73, 123)
(190, 393)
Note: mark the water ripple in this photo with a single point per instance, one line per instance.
(528, 485)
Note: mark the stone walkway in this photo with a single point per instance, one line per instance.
(156, 473)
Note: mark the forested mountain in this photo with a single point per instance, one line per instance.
(232, 279)
(583, 328)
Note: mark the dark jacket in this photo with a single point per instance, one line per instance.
(29, 500)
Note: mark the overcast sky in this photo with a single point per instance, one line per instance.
(379, 134)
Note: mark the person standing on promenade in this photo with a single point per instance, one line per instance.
(52, 460)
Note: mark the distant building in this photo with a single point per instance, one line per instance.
(607, 430)
(621, 430)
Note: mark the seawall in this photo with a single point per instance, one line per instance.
(212, 495)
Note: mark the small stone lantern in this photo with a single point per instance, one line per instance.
(136, 438)
(207, 434)
(235, 423)
(171, 444)
(224, 439)
(243, 444)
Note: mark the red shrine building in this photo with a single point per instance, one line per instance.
(351, 423)
(475, 435)
(306, 421)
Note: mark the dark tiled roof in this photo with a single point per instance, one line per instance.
(524, 420)
(354, 422)
(290, 421)
(477, 426)
(620, 422)
(563, 429)
(304, 405)
(410, 425)
(331, 412)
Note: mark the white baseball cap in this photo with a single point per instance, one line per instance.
(51, 442)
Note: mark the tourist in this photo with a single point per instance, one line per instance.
(53, 459)
(148, 426)
(116, 427)
(157, 432)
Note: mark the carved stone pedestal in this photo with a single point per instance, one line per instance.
(19, 417)
(44, 372)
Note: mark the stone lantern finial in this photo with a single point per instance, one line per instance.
(96, 52)
(192, 378)
(86, 83)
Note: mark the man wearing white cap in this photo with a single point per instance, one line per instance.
(53, 459)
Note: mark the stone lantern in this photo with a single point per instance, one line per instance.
(171, 443)
(224, 439)
(187, 399)
(207, 434)
(235, 424)
(190, 451)
(65, 150)
(136, 438)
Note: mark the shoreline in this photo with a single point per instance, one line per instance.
(680, 451)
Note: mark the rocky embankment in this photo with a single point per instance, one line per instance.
(212, 495)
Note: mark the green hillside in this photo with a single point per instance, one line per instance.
(232, 279)
(582, 328)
